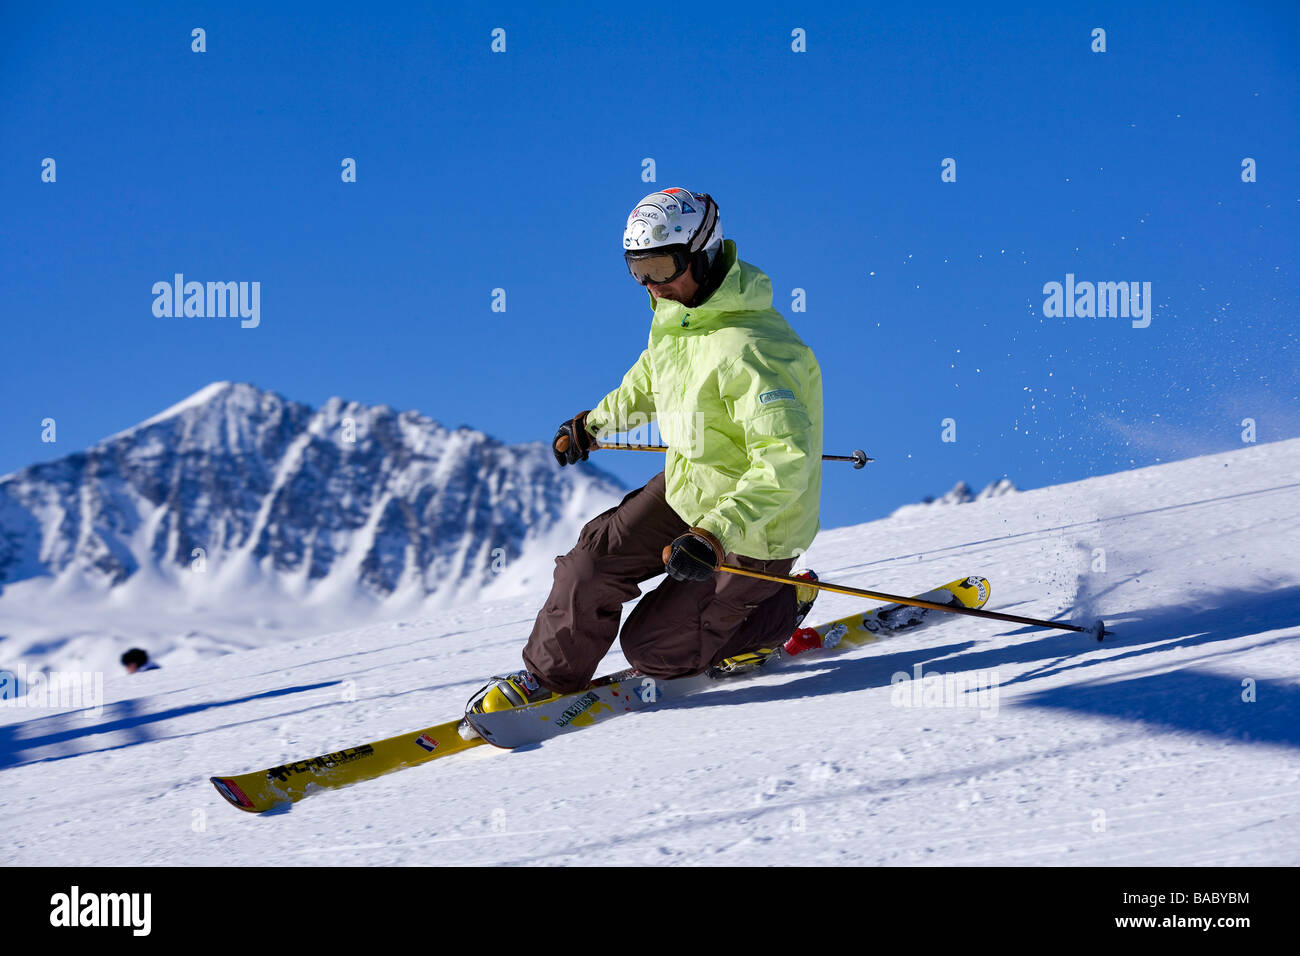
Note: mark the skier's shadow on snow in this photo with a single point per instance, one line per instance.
(1202, 702)
(1192, 698)
(60, 735)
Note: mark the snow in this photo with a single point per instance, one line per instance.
(961, 494)
(203, 396)
(1132, 752)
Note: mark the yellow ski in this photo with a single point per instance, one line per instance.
(288, 783)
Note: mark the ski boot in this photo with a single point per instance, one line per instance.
(750, 661)
(804, 595)
(512, 690)
(502, 693)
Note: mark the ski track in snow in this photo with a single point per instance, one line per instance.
(1135, 752)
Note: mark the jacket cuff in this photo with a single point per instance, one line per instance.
(582, 423)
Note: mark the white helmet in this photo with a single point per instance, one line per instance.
(670, 231)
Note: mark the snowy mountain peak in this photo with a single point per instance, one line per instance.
(961, 494)
(208, 397)
(236, 487)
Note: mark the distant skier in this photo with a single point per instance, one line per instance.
(136, 660)
(738, 399)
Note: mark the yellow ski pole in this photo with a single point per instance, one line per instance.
(1097, 629)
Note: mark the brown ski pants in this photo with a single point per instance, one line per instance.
(679, 628)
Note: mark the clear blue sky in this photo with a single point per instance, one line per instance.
(479, 170)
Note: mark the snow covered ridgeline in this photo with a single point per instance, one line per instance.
(961, 494)
(236, 486)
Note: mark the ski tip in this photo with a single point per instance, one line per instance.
(229, 788)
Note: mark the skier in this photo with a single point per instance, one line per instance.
(136, 660)
(738, 398)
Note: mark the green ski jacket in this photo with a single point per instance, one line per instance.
(737, 396)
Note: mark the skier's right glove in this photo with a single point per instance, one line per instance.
(572, 443)
(693, 556)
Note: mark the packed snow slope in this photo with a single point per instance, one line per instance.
(1176, 741)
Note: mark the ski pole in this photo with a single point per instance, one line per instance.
(1097, 629)
(859, 457)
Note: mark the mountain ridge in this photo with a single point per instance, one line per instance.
(240, 482)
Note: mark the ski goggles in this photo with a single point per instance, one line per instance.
(658, 265)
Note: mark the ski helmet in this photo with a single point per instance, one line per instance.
(669, 232)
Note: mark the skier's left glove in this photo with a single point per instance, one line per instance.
(694, 556)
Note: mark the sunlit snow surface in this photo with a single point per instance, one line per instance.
(1138, 751)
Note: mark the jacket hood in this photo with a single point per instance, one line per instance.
(745, 289)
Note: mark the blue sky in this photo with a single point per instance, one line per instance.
(478, 170)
